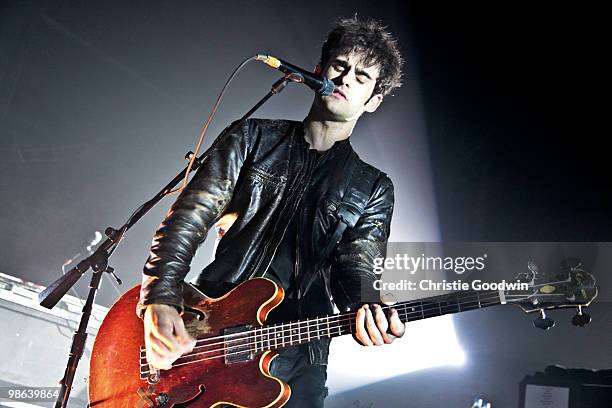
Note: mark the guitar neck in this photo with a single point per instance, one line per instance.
(303, 331)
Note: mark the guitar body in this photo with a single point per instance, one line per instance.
(231, 360)
(115, 378)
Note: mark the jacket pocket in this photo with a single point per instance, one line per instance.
(327, 213)
(266, 180)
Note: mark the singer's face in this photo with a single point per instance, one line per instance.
(354, 86)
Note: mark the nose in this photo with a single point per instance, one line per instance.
(345, 78)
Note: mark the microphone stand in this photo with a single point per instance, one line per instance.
(98, 262)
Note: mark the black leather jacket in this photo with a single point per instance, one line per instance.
(261, 169)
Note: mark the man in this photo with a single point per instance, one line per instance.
(275, 188)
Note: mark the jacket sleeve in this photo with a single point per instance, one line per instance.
(352, 263)
(196, 209)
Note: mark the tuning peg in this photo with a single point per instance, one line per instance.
(571, 264)
(581, 319)
(543, 322)
(533, 267)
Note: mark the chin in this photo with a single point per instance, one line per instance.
(339, 114)
(338, 117)
(334, 112)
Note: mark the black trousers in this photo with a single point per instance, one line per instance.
(307, 381)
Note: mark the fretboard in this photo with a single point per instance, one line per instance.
(303, 331)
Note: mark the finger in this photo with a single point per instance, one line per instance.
(159, 323)
(360, 331)
(164, 332)
(183, 337)
(157, 354)
(383, 324)
(397, 327)
(163, 352)
(373, 331)
(158, 346)
(159, 363)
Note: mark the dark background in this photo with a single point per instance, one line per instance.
(492, 138)
(508, 93)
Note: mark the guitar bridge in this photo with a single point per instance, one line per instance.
(238, 345)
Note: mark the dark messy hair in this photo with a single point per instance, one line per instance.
(373, 42)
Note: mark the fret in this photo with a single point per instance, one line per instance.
(263, 338)
(468, 303)
(411, 313)
(429, 309)
(274, 337)
(282, 336)
(449, 306)
(403, 315)
(270, 337)
(309, 329)
(297, 332)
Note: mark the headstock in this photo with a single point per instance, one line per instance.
(572, 286)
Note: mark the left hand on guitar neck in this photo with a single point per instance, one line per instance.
(373, 328)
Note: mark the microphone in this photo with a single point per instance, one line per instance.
(317, 83)
(96, 239)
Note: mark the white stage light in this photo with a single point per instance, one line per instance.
(427, 343)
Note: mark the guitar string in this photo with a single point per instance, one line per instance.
(260, 338)
(338, 324)
(325, 329)
(280, 334)
(310, 323)
(307, 323)
(426, 301)
(341, 326)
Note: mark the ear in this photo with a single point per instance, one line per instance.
(317, 69)
(373, 103)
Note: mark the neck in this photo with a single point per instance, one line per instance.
(322, 134)
(303, 331)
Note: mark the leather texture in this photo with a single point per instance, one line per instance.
(261, 169)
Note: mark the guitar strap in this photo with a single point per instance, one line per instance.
(354, 201)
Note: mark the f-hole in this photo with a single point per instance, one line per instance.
(199, 315)
(191, 401)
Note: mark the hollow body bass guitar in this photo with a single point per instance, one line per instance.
(231, 360)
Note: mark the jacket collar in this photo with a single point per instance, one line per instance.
(338, 146)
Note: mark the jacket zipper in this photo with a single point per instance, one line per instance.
(295, 187)
(296, 271)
